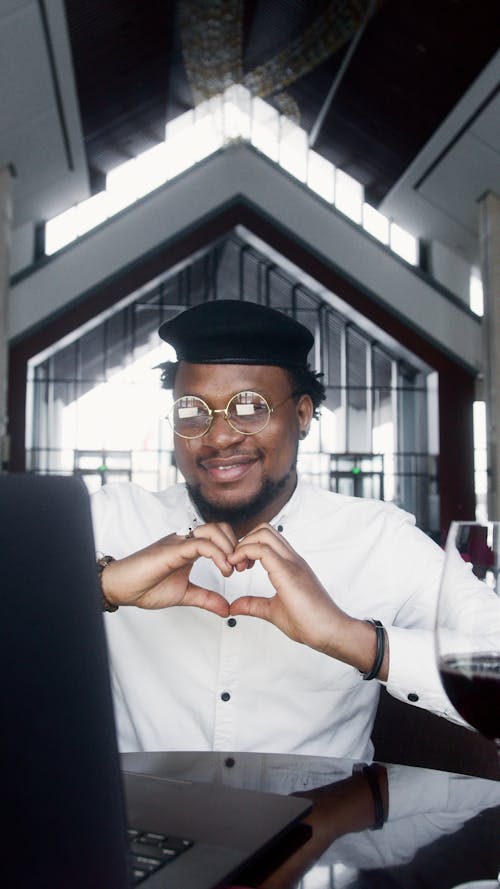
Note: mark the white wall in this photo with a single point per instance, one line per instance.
(450, 270)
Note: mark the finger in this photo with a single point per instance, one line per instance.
(253, 606)
(268, 554)
(267, 535)
(219, 533)
(228, 531)
(244, 564)
(209, 600)
(191, 549)
(262, 531)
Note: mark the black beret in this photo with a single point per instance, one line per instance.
(235, 332)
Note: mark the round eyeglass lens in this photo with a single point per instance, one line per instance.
(189, 416)
(248, 412)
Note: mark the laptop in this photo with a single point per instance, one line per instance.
(71, 815)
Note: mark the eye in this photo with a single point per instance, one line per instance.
(189, 416)
(248, 411)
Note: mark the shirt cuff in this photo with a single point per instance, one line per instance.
(413, 674)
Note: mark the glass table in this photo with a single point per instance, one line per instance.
(372, 826)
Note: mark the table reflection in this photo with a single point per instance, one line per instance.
(374, 826)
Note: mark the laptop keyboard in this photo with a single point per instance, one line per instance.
(148, 852)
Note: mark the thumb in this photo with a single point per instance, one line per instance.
(209, 600)
(253, 606)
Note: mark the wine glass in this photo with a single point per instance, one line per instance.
(467, 631)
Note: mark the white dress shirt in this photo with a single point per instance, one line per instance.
(186, 679)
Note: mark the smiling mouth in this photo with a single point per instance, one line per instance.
(227, 469)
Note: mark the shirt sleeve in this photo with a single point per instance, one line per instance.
(127, 518)
(413, 674)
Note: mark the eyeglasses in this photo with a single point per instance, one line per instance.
(246, 412)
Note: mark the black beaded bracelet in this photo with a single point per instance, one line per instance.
(379, 656)
(377, 797)
(102, 563)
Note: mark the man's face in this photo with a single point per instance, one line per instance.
(241, 479)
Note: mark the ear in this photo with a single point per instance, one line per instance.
(304, 414)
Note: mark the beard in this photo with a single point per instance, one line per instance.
(214, 512)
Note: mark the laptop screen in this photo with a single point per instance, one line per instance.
(60, 765)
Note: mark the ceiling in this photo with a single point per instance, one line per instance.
(401, 94)
(413, 63)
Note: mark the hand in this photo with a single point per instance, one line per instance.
(301, 607)
(158, 576)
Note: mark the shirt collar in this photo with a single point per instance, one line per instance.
(280, 519)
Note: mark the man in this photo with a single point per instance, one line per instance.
(288, 587)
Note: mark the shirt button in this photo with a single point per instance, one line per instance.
(230, 762)
(412, 697)
(225, 696)
(280, 528)
(232, 622)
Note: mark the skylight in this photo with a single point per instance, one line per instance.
(404, 244)
(375, 223)
(321, 176)
(224, 119)
(348, 196)
(265, 129)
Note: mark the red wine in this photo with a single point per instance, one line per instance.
(472, 683)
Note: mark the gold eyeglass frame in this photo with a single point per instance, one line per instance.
(224, 411)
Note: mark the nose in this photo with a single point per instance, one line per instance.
(221, 433)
